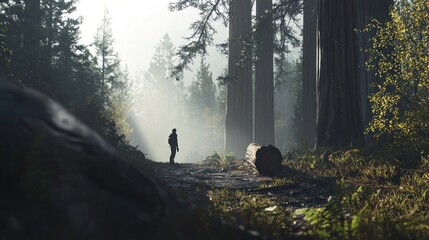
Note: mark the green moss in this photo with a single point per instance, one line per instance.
(376, 199)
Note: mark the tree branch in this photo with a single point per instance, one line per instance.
(284, 13)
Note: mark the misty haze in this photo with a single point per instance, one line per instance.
(214, 119)
(195, 104)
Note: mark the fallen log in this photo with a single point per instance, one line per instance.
(266, 159)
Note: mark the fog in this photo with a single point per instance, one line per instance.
(159, 103)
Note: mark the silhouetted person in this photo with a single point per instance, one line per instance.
(174, 145)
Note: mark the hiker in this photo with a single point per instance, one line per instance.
(174, 145)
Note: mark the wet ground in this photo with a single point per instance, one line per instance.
(190, 183)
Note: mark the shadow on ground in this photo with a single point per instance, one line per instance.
(190, 183)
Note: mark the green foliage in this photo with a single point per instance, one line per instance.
(348, 166)
(366, 213)
(203, 90)
(162, 61)
(424, 161)
(219, 160)
(159, 87)
(285, 16)
(384, 207)
(106, 58)
(117, 113)
(113, 82)
(378, 200)
(258, 214)
(275, 183)
(401, 102)
(381, 174)
(203, 29)
(306, 161)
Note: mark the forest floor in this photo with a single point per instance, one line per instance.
(347, 194)
(190, 183)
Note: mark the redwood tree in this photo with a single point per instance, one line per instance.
(339, 116)
(239, 118)
(264, 86)
(310, 70)
(239, 121)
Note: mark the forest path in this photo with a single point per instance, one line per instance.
(190, 183)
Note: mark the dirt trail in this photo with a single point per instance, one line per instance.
(191, 182)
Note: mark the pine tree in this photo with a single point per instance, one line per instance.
(203, 90)
(158, 75)
(64, 64)
(13, 17)
(43, 37)
(159, 87)
(55, 18)
(106, 58)
(203, 116)
(31, 42)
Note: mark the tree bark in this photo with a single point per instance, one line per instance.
(266, 159)
(339, 116)
(264, 74)
(239, 117)
(309, 71)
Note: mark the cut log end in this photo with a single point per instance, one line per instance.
(266, 159)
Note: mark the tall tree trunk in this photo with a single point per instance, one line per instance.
(309, 71)
(339, 117)
(239, 119)
(264, 86)
(365, 11)
(32, 40)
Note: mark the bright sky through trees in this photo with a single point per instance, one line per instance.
(137, 27)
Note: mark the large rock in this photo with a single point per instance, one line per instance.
(60, 180)
(266, 159)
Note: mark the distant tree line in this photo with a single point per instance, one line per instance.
(196, 110)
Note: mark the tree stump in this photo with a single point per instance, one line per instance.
(266, 159)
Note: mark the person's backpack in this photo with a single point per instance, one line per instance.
(169, 139)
